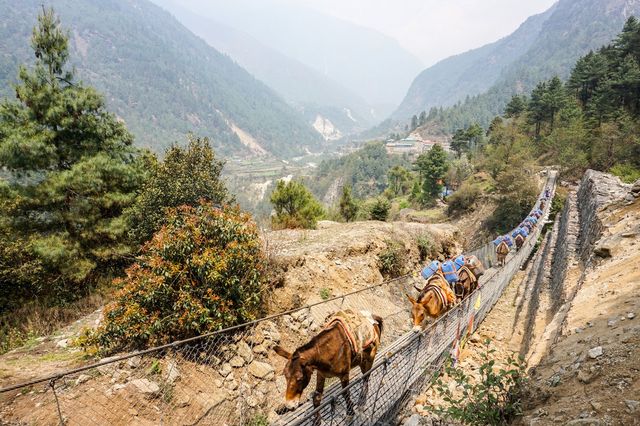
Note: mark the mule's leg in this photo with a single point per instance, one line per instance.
(365, 366)
(344, 381)
(317, 397)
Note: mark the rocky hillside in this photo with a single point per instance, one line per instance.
(308, 266)
(160, 78)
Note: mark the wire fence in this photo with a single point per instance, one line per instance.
(230, 377)
(412, 360)
(226, 377)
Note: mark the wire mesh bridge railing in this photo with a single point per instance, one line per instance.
(233, 376)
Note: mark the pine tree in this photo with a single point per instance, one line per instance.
(516, 106)
(71, 165)
(348, 206)
(295, 206)
(433, 167)
(414, 122)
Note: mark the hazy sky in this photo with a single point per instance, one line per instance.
(435, 29)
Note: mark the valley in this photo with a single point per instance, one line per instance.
(209, 210)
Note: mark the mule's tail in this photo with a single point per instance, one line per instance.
(378, 319)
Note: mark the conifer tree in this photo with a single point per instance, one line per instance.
(71, 170)
(348, 206)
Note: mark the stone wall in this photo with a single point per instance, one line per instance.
(597, 192)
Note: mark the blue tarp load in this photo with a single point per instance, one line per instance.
(520, 231)
(449, 271)
(527, 226)
(430, 269)
(459, 262)
(531, 219)
(502, 238)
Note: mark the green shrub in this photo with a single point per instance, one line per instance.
(517, 194)
(201, 272)
(426, 247)
(495, 399)
(392, 260)
(295, 206)
(380, 209)
(185, 177)
(325, 293)
(463, 200)
(626, 172)
(258, 420)
(557, 203)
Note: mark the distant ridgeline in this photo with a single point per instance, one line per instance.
(476, 86)
(162, 80)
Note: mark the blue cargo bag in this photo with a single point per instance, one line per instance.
(449, 272)
(430, 269)
(459, 262)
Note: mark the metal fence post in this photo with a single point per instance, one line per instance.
(52, 384)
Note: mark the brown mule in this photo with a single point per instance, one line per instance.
(469, 275)
(502, 251)
(519, 241)
(330, 354)
(434, 300)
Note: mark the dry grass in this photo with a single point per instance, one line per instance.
(40, 318)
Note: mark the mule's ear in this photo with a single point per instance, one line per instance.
(411, 299)
(282, 352)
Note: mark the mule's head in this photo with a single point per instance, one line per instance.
(476, 266)
(418, 313)
(298, 374)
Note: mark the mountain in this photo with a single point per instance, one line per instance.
(160, 78)
(367, 62)
(453, 79)
(557, 38)
(310, 92)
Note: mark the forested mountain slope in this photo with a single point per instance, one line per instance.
(159, 77)
(470, 73)
(365, 61)
(308, 90)
(571, 29)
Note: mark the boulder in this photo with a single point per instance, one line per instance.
(260, 349)
(237, 361)
(245, 351)
(134, 362)
(632, 405)
(414, 420)
(225, 370)
(261, 370)
(82, 379)
(146, 387)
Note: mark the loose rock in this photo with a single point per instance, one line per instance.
(632, 405)
(236, 361)
(225, 370)
(595, 352)
(82, 379)
(146, 387)
(261, 370)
